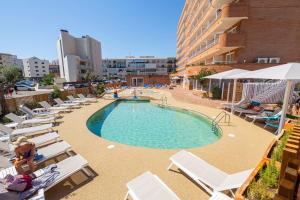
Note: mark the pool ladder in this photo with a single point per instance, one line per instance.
(164, 101)
(218, 118)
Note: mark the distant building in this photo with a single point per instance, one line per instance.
(77, 56)
(54, 68)
(35, 67)
(139, 70)
(8, 60)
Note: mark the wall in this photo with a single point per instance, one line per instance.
(13, 103)
(272, 30)
(149, 79)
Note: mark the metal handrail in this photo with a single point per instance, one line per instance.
(216, 121)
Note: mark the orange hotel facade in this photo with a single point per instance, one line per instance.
(227, 34)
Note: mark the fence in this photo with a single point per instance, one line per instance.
(12, 104)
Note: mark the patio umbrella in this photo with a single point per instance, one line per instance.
(225, 75)
(289, 72)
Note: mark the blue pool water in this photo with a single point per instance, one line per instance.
(140, 123)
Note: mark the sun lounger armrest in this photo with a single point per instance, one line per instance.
(234, 180)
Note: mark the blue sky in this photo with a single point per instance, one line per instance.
(124, 27)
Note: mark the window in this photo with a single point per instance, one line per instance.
(44, 70)
(42, 63)
(37, 74)
(35, 62)
(36, 66)
(37, 70)
(43, 66)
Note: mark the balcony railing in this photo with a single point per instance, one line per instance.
(203, 29)
(205, 46)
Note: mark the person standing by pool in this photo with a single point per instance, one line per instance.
(16, 89)
(116, 93)
(10, 91)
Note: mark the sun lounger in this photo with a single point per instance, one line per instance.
(73, 100)
(207, 176)
(272, 116)
(89, 99)
(48, 107)
(246, 111)
(39, 113)
(219, 196)
(48, 152)
(23, 131)
(149, 187)
(66, 168)
(66, 104)
(38, 141)
(21, 121)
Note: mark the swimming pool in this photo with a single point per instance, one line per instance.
(143, 124)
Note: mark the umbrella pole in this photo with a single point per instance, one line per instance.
(233, 94)
(285, 105)
(209, 87)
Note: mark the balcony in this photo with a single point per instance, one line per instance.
(220, 44)
(223, 20)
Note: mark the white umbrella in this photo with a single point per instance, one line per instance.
(175, 78)
(289, 72)
(225, 75)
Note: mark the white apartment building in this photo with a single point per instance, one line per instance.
(77, 56)
(35, 67)
(141, 65)
(9, 60)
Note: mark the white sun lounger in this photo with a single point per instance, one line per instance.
(73, 100)
(38, 141)
(219, 196)
(48, 152)
(66, 104)
(89, 99)
(66, 168)
(149, 187)
(207, 176)
(34, 121)
(41, 114)
(23, 131)
(48, 107)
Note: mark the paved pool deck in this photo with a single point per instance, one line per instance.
(114, 167)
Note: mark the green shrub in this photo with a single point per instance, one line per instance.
(278, 150)
(258, 190)
(216, 92)
(269, 176)
(100, 89)
(48, 79)
(56, 93)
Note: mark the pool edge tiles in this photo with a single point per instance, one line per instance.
(144, 124)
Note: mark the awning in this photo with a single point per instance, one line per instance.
(224, 75)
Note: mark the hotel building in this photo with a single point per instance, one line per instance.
(226, 34)
(139, 70)
(35, 67)
(77, 56)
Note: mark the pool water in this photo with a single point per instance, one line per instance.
(143, 124)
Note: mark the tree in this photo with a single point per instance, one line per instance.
(203, 73)
(8, 75)
(11, 74)
(89, 77)
(48, 79)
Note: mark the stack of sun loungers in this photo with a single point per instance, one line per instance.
(37, 125)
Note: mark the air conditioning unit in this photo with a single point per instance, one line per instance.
(274, 60)
(262, 60)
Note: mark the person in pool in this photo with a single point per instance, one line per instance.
(25, 152)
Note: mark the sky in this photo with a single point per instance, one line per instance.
(124, 27)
